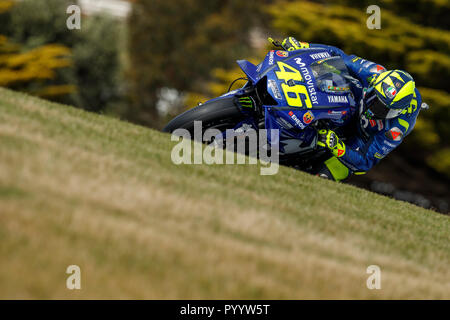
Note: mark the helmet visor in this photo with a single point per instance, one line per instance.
(377, 109)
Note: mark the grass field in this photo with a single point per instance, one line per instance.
(79, 188)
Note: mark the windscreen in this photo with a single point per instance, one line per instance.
(331, 75)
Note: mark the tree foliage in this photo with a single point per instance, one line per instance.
(176, 44)
(5, 5)
(431, 13)
(78, 67)
(32, 69)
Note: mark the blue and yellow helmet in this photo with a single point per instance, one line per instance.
(389, 94)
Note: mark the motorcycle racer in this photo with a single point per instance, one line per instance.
(388, 108)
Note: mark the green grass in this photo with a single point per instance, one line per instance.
(79, 188)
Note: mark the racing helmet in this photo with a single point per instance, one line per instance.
(389, 94)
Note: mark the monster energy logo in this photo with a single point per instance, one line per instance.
(246, 102)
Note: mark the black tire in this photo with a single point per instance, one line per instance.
(221, 114)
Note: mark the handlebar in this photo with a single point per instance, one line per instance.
(276, 43)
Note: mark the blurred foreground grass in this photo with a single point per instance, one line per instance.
(79, 188)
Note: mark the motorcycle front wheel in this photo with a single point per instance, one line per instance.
(219, 114)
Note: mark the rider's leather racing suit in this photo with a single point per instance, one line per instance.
(370, 140)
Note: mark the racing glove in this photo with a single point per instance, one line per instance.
(291, 44)
(329, 139)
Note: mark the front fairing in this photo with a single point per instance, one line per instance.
(291, 79)
(300, 102)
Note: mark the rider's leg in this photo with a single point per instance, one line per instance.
(333, 169)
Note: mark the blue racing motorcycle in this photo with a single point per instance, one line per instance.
(296, 92)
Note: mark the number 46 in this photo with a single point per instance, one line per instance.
(297, 95)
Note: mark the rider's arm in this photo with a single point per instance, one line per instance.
(364, 158)
(359, 68)
(381, 144)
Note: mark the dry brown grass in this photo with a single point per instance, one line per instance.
(76, 188)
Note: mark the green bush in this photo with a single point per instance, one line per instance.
(95, 66)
